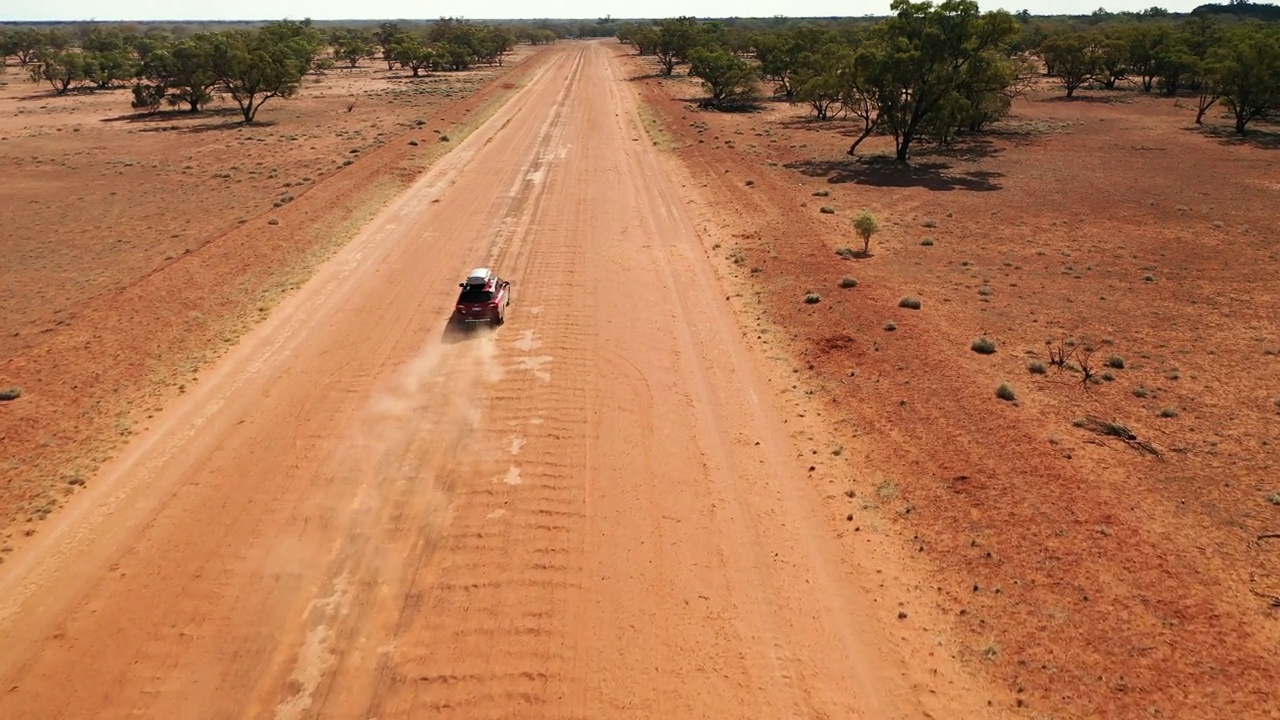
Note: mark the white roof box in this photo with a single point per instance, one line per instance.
(479, 276)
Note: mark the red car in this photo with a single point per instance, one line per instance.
(484, 299)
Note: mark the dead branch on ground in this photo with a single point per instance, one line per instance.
(1111, 428)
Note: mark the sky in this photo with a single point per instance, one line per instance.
(108, 10)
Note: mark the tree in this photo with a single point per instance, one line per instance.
(1113, 60)
(350, 46)
(917, 64)
(989, 94)
(1074, 58)
(384, 36)
(109, 68)
(62, 69)
(818, 78)
(676, 39)
(646, 39)
(1145, 42)
(780, 54)
(181, 74)
(253, 66)
(454, 56)
(8, 46)
(408, 50)
(866, 225)
(1175, 65)
(26, 44)
(729, 80)
(542, 37)
(494, 44)
(1245, 69)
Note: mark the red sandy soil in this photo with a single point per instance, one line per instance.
(1089, 578)
(602, 509)
(136, 249)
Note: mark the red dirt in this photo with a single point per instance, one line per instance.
(1088, 578)
(138, 248)
(601, 509)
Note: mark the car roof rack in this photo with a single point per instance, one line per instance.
(479, 276)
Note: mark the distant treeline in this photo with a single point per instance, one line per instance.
(188, 67)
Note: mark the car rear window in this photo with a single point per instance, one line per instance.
(475, 296)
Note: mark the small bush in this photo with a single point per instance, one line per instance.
(929, 223)
(983, 345)
(1148, 278)
(866, 225)
(1115, 361)
(1035, 367)
(890, 327)
(12, 393)
(1108, 376)
(1274, 498)
(909, 303)
(821, 193)
(414, 143)
(847, 253)
(1141, 392)
(750, 183)
(827, 210)
(1005, 392)
(813, 298)
(926, 241)
(273, 221)
(1169, 413)
(848, 282)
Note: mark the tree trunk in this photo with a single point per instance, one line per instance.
(866, 133)
(1241, 122)
(248, 109)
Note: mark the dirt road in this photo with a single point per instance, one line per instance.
(595, 511)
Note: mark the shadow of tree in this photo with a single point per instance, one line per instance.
(880, 171)
(176, 115)
(1258, 136)
(1091, 99)
(734, 107)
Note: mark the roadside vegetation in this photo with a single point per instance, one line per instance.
(930, 73)
(188, 66)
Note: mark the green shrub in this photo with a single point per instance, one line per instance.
(813, 298)
(848, 282)
(909, 303)
(1005, 392)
